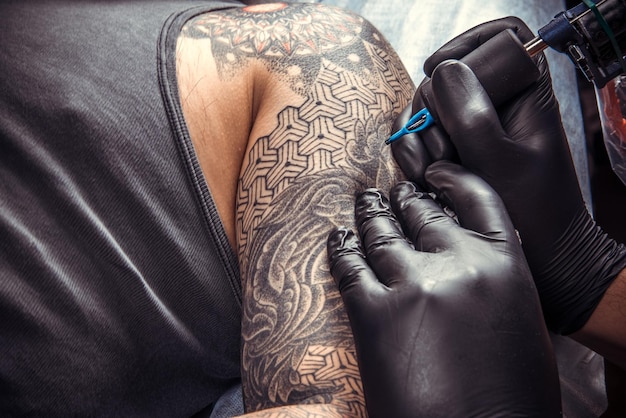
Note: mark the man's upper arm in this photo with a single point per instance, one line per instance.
(332, 87)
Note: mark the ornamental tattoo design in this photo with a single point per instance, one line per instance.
(298, 182)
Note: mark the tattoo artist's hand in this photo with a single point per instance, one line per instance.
(521, 150)
(445, 316)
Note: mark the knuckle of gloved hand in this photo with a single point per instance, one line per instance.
(347, 277)
(486, 265)
(474, 275)
(380, 234)
(379, 247)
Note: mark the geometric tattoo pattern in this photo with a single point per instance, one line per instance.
(340, 112)
(298, 181)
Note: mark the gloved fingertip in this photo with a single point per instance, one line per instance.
(404, 189)
(371, 203)
(520, 28)
(454, 73)
(345, 257)
(403, 193)
(470, 117)
(340, 241)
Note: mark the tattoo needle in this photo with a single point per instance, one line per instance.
(419, 121)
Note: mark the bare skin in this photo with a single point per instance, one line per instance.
(288, 107)
(605, 331)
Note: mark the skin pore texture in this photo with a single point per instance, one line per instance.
(288, 107)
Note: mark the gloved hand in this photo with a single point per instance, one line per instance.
(521, 150)
(452, 325)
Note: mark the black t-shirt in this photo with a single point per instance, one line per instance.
(119, 292)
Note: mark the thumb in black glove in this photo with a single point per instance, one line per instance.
(448, 322)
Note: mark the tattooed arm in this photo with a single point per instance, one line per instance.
(314, 90)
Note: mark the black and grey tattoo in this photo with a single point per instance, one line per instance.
(298, 182)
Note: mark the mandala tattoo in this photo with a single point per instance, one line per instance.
(298, 182)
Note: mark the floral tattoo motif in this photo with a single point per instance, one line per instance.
(278, 30)
(290, 40)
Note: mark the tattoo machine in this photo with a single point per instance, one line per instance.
(592, 34)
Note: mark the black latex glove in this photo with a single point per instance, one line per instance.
(522, 152)
(451, 326)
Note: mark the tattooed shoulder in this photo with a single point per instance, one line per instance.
(278, 33)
